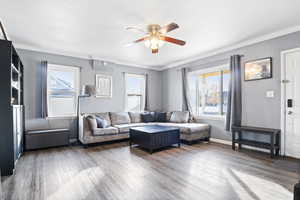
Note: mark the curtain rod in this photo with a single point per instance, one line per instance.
(207, 63)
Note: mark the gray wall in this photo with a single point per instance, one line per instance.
(32, 60)
(257, 109)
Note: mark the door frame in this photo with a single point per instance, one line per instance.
(283, 98)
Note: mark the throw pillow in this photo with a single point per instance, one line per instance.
(92, 122)
(119, 118)
(101, 123)
(168, 117)
(161, 117)
(148, 117)
(180, 117)
(135, 117)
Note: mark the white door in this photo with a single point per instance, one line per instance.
(292, 103)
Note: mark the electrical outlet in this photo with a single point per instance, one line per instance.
(270, 94)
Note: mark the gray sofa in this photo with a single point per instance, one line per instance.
(119, 124)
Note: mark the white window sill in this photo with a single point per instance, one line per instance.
(62, 117)
(211, 117)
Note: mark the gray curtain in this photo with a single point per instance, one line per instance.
(186, 102)
(44, 69)
(234, 108)
(146, 93)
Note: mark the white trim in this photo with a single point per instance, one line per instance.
(68, 68)
(143, 76)
(210, 69)
(86, 57)
(211, 117)
(173, 64)
(283, 99)
(221, 141)
(226, 142)
(236, 46)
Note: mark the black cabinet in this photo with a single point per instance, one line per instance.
(11, 107)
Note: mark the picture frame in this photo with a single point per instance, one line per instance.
(103, 87)
(258, 69)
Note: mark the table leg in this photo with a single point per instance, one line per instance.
(233, 140)
(240, 138)
(279, 145)
(272, 145)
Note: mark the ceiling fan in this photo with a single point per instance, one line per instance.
(155, 36)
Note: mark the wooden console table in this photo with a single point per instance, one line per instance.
(274, 136)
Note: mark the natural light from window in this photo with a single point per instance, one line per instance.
(210, 91)
(62, 90)
(135, 92)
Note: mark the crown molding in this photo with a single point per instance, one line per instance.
(84, 56)
(173, 64)
(233, 47)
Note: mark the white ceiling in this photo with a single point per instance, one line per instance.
(97, 28)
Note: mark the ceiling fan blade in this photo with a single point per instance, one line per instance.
(154, 50)
(172, 40)
(136, 41)
(168, 28)
(130, 28)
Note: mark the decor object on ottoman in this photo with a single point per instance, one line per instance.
(154, 136)
(258, 69)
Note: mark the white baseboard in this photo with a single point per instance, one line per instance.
(226, 142)
(220, 141)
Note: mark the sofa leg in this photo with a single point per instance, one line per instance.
(85, 146)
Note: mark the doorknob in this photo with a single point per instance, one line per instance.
(290, 112)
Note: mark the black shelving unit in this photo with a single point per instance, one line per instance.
(11, 107)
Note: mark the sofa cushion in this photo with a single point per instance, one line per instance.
(160, 117)
(148, 117)
(191, 128)
(105, 115)
(101, 123)
(168, 116)
(187, 128)
(119, 118)
(180, 117)
(124, 128)
(105, 131)
(92, 121)
(135, 117)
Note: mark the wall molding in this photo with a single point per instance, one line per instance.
(226, 142)
(86, 57)
(173, 64)
(236, 46)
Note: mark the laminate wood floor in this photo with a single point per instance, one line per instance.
(116, 171)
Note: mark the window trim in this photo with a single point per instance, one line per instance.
(218, 68)
(142, 107)
(77, 91)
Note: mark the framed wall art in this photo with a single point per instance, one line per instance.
(103, 86)
(258, 69)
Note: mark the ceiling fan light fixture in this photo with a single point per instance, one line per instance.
(154, 43)
(155, 37)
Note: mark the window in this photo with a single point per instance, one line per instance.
(135, 92)
(62, 90)
(212, 91)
